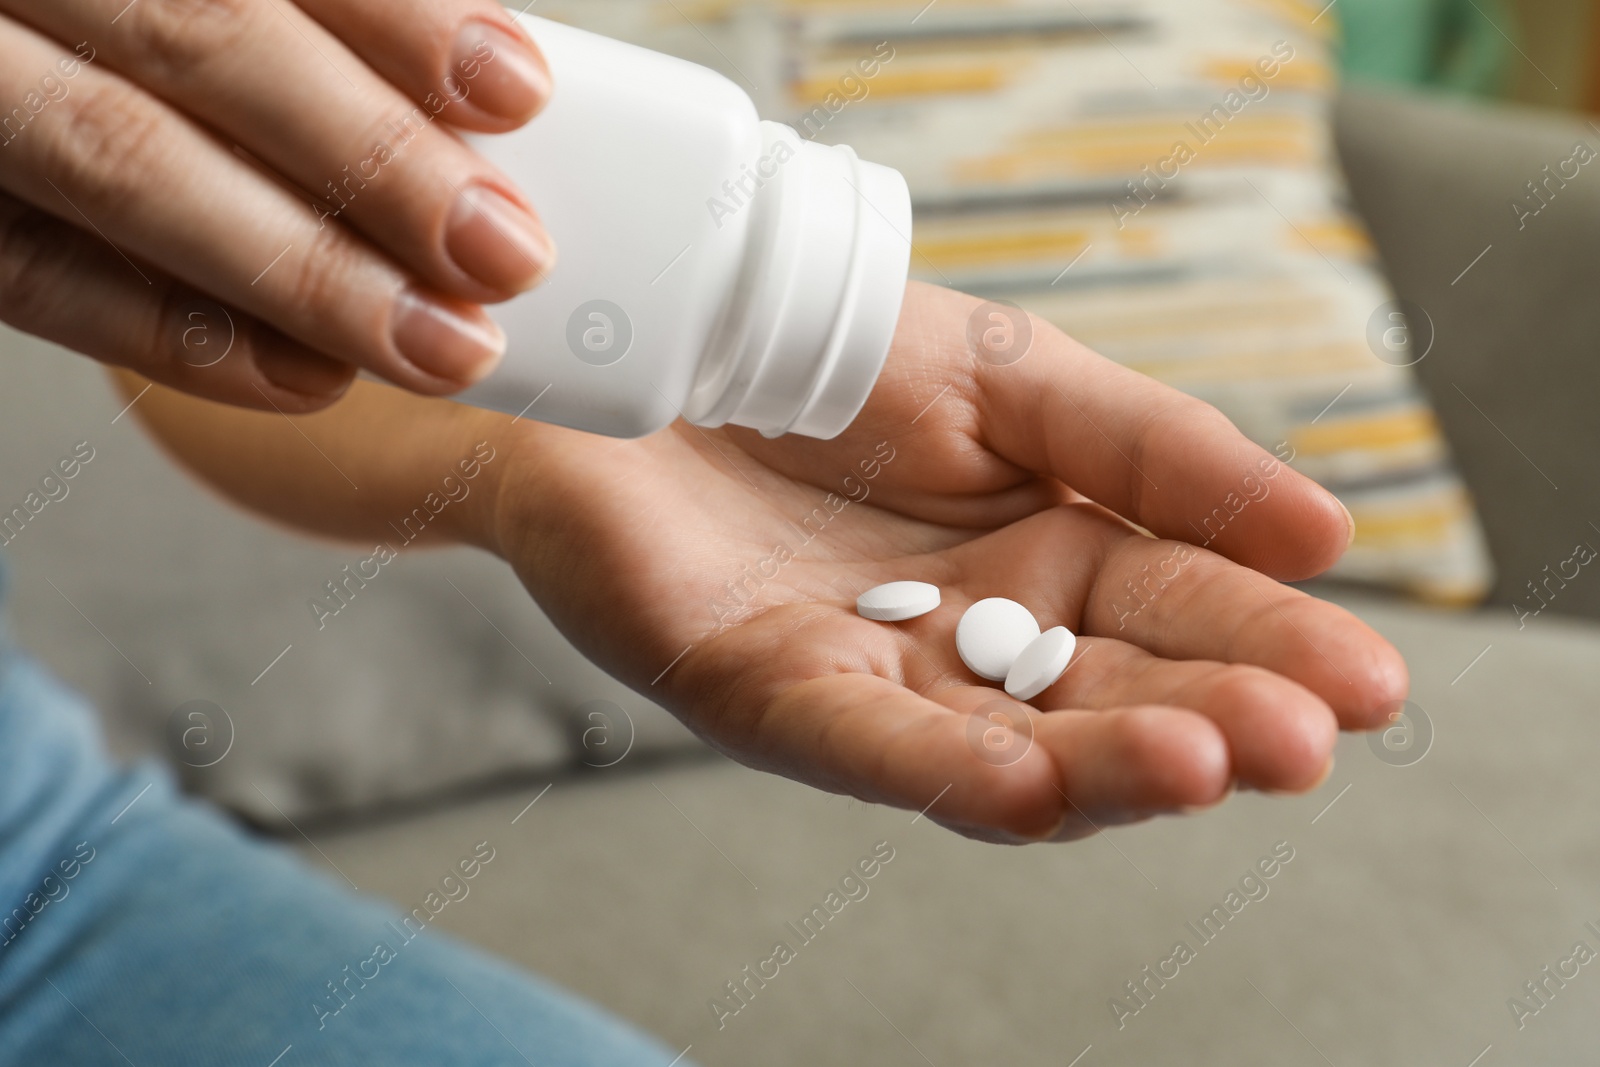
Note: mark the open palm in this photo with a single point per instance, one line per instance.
(716, 572)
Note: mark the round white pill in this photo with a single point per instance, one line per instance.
(898, 601)
(992, 634)
(1041, 664)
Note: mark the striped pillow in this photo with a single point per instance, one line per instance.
(1156, 177)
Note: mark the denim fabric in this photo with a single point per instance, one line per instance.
(137, 926)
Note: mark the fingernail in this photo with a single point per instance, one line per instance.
(497, 241)
(499, 72)
(299, 371)
(1350, 520)
(456, 342)
(1048, 835)
(1327, 772)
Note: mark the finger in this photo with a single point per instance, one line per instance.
(267, 77)
(1280, 736)
(473, 54)
(109, 158)
(871, 738)
(1122, 765)
(1074, 566)
(1184, 603)
(1162, 459)
(59, 284)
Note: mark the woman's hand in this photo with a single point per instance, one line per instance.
(179, 178)
(716, 572)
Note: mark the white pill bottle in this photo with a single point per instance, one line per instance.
(712, 266)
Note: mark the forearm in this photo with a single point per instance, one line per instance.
(380, 465)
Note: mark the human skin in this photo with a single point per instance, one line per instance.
(1036, 481)
(291, 166)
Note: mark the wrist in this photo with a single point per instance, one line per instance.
(500, 518)
(433, 469)
(460, 493)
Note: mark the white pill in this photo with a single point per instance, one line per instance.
(898, 601)
(992, 634)
(1041, 664)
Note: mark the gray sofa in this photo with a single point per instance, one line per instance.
(1421, 896)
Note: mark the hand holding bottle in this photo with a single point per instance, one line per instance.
(276, 181)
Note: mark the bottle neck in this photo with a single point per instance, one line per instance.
(809, 324)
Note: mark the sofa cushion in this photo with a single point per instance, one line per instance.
(1487, 220)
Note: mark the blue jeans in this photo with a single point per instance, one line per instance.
(158, 934)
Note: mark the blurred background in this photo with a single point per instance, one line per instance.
(1472, 47)
(1442, 866)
